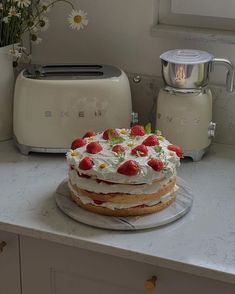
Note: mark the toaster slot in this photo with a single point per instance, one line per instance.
(72, 72)
(70, 67)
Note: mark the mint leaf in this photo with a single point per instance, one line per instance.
(116, 140)
(148, 128)
(158, 133)
(121, 156)
(110, 134)
(158, 149)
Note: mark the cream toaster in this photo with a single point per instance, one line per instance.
(55, 104)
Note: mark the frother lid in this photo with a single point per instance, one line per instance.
(186, 56)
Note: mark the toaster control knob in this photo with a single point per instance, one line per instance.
(211, 129)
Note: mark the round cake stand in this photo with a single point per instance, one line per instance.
(182, 205)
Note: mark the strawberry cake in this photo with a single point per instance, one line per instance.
(123, 172)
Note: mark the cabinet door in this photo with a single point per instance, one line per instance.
(51, 268)
(9, 264)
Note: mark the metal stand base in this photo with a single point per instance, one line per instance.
(25, 149)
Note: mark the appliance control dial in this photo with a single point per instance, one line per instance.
(134, 118)
(211, 129)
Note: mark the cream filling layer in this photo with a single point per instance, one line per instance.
(111, 205)
(92, 185)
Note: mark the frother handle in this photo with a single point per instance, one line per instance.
(230, 74)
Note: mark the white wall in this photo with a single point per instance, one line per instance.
(118, 33)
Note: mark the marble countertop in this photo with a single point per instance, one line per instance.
(201, 243)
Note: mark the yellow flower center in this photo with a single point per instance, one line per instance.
(103, 165)
(124, 131)
(77, 18)
(130, 145)
(160, 138)
(74, 153)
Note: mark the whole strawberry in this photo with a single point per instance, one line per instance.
(77, 143)
(89, 134)
(177, 149)
(140, 150)
(128, 168)
(86, 163)
(118, 148)
(156, 164)
(137, 130)
(151, 140)
(110, 133)
(94, 147)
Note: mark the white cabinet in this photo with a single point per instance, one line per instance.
(9, 264)
(51, 268)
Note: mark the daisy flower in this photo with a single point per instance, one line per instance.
(46, 6)
(34, 29)
(78, 19)
(35, 39)
(5, 19)
(23, 3)
(13, 12)
(15, 52)
(44, 23)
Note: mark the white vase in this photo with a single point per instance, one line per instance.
(6, 93)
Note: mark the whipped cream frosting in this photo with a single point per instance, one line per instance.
(112, 161)
(111, 205)
(92, 185)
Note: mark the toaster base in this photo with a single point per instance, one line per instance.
(25, 149)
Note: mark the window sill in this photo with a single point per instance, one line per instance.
(188, 33)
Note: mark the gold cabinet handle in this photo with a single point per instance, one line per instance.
(2, 245)
(150, 284)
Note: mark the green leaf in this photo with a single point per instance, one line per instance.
(158, 149)
(158, 133)
(148, 128)
(114, 140)
(121, 156)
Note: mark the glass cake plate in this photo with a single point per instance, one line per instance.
(182, 205)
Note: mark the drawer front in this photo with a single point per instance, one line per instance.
(9, 263)
(52, 268)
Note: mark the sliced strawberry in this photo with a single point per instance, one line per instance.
(156, 164)
(137, 130)
(151, 140)
(140, 150)
(98, 202)
(83, 175)
(86, 163)
(94, 147)
(109, 132)
(118, 148)
(128, 168)
(77, 143)
(178, 150)
(89, 134)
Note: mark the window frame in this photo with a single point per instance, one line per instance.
(164, 24)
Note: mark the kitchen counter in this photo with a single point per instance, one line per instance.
(201, 243)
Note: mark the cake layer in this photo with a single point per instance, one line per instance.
(132, 211)
(93, 185)
(124, 197)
